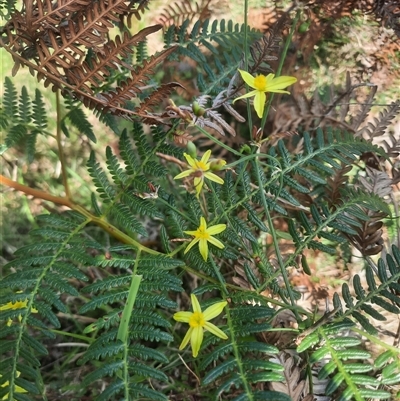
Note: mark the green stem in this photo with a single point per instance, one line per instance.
(219, 276)
(275, 242)
(73, 335)
(237, 355)
(218, 142)
(246, 60)
(61, 154)
(123, 330)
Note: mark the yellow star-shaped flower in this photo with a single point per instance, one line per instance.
(203, 235)
(200, 169)
(263, 84)
(17, 389)
(198, 322)
(16, 305)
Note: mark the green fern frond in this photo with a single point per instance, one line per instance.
(222, 39)
(126, 219)
(251, 312)
(138, 390)
(149, 333)
(78, 119)
(24, 107)
(107, 192)
(10, 99)
(342, 369)
(375, 294)
(39, 115)
(42, 285)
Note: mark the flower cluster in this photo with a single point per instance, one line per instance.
(198, 322)
(16, 305)
(17, 389)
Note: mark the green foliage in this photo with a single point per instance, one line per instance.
(121, 270)
(222, 39)
(22, 119)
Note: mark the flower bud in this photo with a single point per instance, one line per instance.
(245, 149)
(217, 164)
(198, 110)
(192, 150)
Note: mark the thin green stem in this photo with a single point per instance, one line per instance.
(123, 330)
(219, 276)
(238, 357)
(218, 142)
(246, 59)
(61, 155)
(73, 335)
(275, 241)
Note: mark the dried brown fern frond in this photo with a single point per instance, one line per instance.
(267, 48)
(380, 124)
(318, 111)
(369, 239)
(184, 10)
(336, 183)
(94, 70)
(294, 384)
(67, 45)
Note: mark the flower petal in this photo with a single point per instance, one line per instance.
(183, 174)
(250, 94)
(214, 310)
(203, 246)
(259, 103)
(212, 328)
(218, 228)
(196, 340)
(194, 233)
(186, 339)
(203, 224)
(280, 83)
(190, 246)
(190, 160)
(195, 303)
(182, 316)
(206, 156)
(216, 242)
(198, 184)
(214, 177)
(248, 78)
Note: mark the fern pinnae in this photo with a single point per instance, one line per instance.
(25, 107)
(107, 192)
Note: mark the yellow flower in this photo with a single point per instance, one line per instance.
(263, 84)
(16, 305)
(200, 169)
(17, 389)
(204, 234)
(198, 322)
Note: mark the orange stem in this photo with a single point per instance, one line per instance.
(37, 193)
(101, 222)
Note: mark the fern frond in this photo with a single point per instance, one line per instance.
(78, 119)
(345, 375)
(178, 12)
(42, 285)
(378, 128)
(384, 295)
